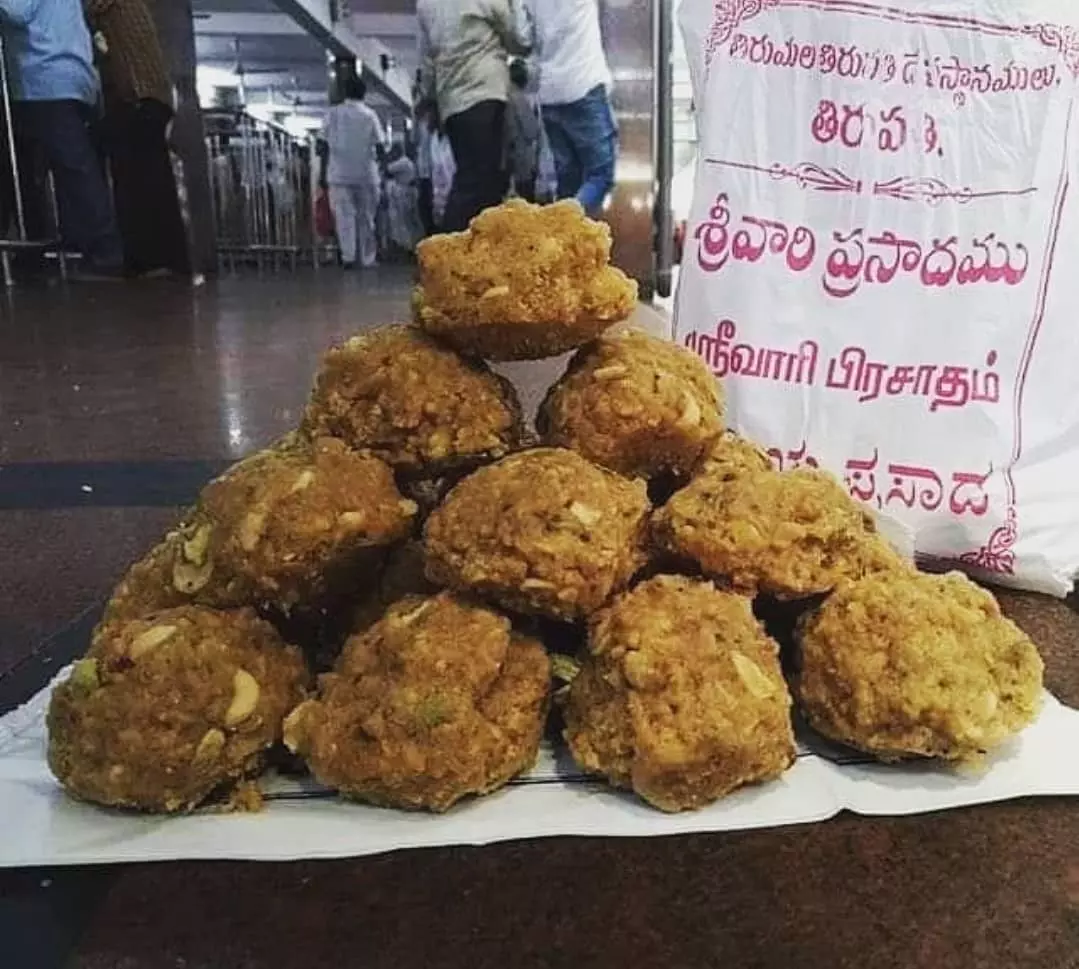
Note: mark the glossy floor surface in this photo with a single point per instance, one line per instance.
(117, 403)
(164, 371)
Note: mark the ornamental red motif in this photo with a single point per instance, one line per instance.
(997, 554)
(912, 189)
(933, 191)
(807, 175)
(1064, 40)
(727, 16)
(817, 177)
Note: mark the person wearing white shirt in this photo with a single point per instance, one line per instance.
(464, 48)
(354, 142)
(574, 81)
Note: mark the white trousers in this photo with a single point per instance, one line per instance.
(354, 210)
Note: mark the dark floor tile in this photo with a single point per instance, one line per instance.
(49, 656)
(56, 564)
(43, 913)
(104, 484)
(965, 890)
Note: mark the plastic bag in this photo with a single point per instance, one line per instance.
(443, 170)
(878, 259)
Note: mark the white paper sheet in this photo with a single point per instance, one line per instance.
(40, 825)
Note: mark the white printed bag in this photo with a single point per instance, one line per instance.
(882, 260)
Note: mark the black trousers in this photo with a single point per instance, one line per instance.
(55, 136)
(477, 139)
(134, 137)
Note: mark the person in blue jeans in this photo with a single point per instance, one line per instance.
(574, 81)
(55, 91)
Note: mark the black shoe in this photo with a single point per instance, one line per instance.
(348, 265)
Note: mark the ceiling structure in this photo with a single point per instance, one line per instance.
(283, 46)
(279, 50)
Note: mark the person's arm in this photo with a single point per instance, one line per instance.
(18, 13)
(535, 25)
(530, 24)
(427, 60)
(402, 166)
(511, 21)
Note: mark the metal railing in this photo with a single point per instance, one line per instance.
(263, 183)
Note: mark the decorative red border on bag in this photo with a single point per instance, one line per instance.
(997, 555)
(933, 191)
(727, 16)
(1064, 40)
(807, 175)
(813, 177)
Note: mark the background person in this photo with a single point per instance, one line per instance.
(355, 141)
(138, 114)
(55, 89)
(574, 80)
(465, 46)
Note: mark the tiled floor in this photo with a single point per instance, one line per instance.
(57, 563)
(117, 402)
